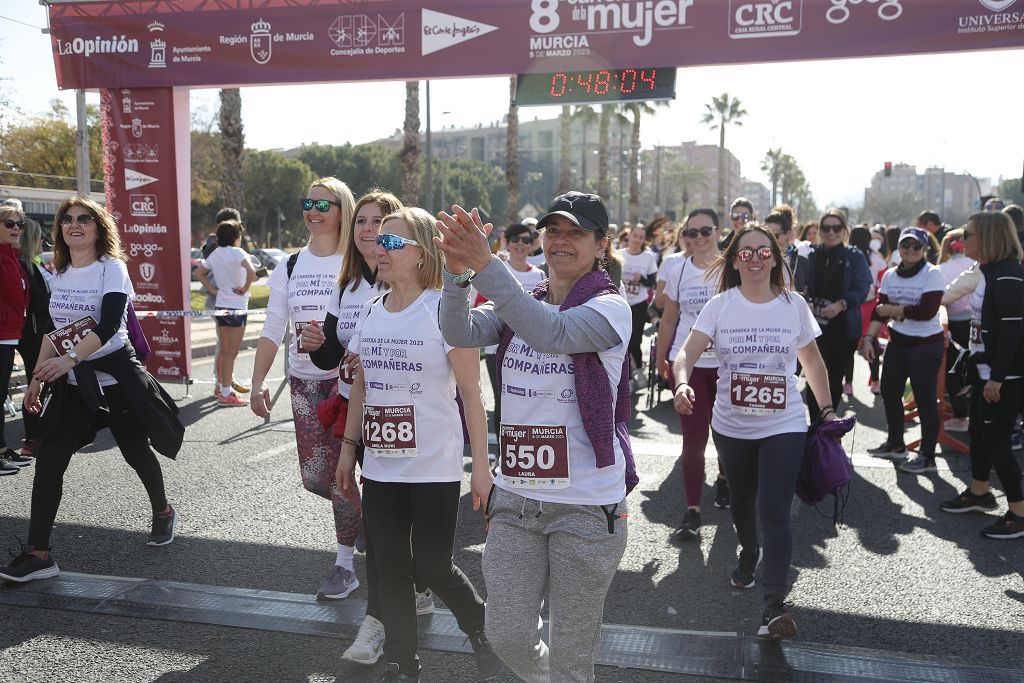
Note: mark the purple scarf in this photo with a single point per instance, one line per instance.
(593, 395)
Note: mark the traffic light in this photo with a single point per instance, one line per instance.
(888, 169)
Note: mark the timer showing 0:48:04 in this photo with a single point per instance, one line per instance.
(606, 85)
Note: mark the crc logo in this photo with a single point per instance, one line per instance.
(997, 5)
(147, 250)
(764, 19)
(142, 204)
(888, 10)
(147, 271)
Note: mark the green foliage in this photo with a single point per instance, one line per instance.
(361, 167)
(259, 295)
(275, 183)
(44, 145)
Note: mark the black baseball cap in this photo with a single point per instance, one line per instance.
(585, 210)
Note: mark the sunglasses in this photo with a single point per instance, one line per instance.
(321, 205)
(391, 242)
(746, 254)
(832, 227)
(10, 223)
(691, 233)
(911, 244)
(81, 219)
(741, 216)
(525, 239)
(967, 234)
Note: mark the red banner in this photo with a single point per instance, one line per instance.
(141, 177)
(147, 43)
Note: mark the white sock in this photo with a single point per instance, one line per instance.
(344, 557)
(225, 391)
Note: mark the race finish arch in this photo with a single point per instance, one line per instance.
(143, 55)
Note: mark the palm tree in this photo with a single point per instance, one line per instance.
(232, 145)
(722, 111)
(565, 140)
(637, 110)
(772, 165)
(512, 154)
(410, 154)
(586, 115)
(609, 113)
(686, 177)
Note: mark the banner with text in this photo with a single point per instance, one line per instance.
(139, 171)
(195, 42)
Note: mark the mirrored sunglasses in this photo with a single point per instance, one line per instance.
(741, 216)
(392, 242)
(747, 254)
(321, 205)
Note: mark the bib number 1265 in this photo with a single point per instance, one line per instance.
(757, 394)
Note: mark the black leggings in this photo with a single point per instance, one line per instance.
(762, 479)
(991, 428)
(960, 331)
(389, 509)
(636, 340)
(55, 455)
(28, 347)
(6, 367)
(920, 363)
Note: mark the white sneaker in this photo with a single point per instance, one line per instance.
(955, 424)
(424, 603)
(368, 646)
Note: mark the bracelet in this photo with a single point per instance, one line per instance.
(351, 442)
(681, 384)
(826, 411)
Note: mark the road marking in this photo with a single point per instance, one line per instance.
(271, 453)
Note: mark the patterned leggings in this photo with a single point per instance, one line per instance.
(318, 454)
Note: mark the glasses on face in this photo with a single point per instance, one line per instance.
(968, 233)
(736, 216)
(911, 244)
(321, 205)
(391, 242)
(9, 223)
(82, 219)
(747, 254)
(525, 239)
(831, 227)
(691, 233)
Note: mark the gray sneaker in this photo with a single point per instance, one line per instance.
(424, 603)
(7, 468)
(338, 585)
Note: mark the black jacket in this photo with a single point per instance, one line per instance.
(37, 322)
(1002, 318)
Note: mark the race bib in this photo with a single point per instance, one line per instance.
(975, 343)
(65, 339)
(709, 352)
(632, 288)
(757, 394)
(390, 431)
(534, 456)
(299, 327)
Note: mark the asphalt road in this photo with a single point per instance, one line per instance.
(899, 575)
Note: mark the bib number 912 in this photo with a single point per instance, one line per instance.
(65, 339)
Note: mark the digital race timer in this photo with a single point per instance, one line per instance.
(607, 85)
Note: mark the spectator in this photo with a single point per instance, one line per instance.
(14, 303)
(952, 263)
(930, 221)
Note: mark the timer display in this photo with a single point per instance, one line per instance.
(607, 85)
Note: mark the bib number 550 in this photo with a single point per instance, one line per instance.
(534, 456)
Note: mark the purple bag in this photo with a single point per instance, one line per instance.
(136, 336)
(826, 468)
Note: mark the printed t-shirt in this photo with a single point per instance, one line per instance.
(539, 411)
(78, 292)
(645, 263)
(691, 291)
(302, 298)
(226, 264)
(907, 291)
(411, 425)
(349, 308)
(756, 345)
(529, 278)
(669, 265)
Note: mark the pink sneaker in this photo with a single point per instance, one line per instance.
(231, 400)
(848, 389)
(876, 388)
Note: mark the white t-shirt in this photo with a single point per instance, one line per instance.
(411, 425)
(691, 291)
(349, 308)
(645, 263)
(756, 345)
(78, 292)
(536, 259)
(226, 264)
(539, 390)
(907, 291)
(669, 264)
(951, 269)
(529, 278)
(297, 300)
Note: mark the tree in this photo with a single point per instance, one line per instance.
(362, 167)
(1011, 191)
(232, 144)
(722, 112)
(685, 178)
(565, 143)
(40, 151)
(609, 113)
(410, 155)
(586, 116)
(512, 155)
(637, 110)
(272, 183)
(891, 208)
(771, 165)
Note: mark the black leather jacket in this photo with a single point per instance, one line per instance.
(1002, 318)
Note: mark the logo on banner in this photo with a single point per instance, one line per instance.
(360, 34)
(98, 46)
(147, 271)
(134, 179)
(147, 249)
(157, 47)
(997, 5)
(142, 205)
(992, 23)
(126, 102)
(608, 17)
(764, 19)
(170, 372)
(141, 152)
(137, 127)
(260, 44)
(441, 31)
(888, 10)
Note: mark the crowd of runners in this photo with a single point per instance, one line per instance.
(391, 310)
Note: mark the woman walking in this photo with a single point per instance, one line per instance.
(639, 275)
(37, 323)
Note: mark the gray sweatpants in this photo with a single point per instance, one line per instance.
(565, 551)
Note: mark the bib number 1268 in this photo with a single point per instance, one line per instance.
(390, 431)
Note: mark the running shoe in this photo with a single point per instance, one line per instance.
(28, 567)
(1008, 526)
(848, 389)
(955, 424)
(968, 502)
(231, 400)
(888, 450)
(368, 646)
(424, 603)
(393, 674)
(1015, 440)
(689, 528)
(875, 388)
(7, 468)
(777, 623)
(338, 585)
(487, 663)
(743, 575)
(919, 465)
(240, 388)
(721, 494)
(164, 526)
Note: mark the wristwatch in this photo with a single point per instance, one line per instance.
(459, 279)
(73, 356)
